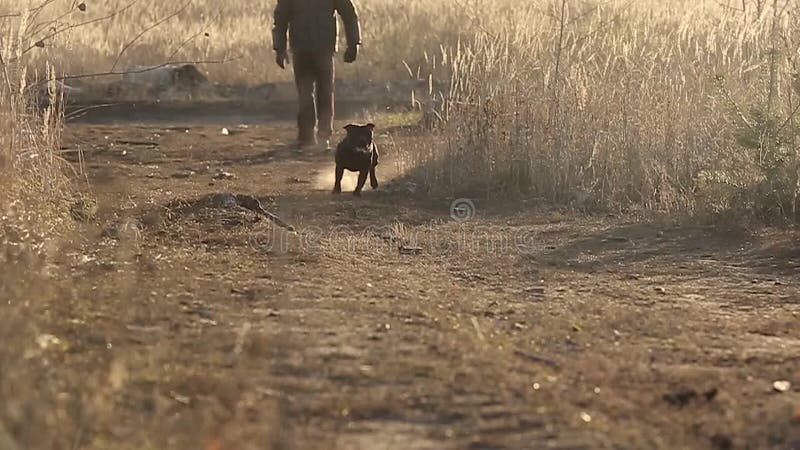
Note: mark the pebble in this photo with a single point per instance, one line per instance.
(782, 386)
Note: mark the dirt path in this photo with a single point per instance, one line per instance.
(196, 326)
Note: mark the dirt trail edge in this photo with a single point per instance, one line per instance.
(212, 328)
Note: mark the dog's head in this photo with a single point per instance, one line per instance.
(361, 135)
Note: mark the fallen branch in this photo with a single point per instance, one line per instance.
(251, 203)
(537, 359)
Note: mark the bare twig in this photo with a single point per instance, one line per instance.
(146, 30)
(78, 25)
(78, 113)
(113, 71)
(537, 359)
(729, 7)
(34, 14)
(146, 69)
(183, 44)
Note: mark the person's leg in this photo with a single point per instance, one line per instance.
(304, 77)
(325, 93)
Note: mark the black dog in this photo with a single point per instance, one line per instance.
(357, 153)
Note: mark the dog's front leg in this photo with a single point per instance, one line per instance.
(362, 178)
(337, 184)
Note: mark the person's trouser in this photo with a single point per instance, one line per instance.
(313, 75)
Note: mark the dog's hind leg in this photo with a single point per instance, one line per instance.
(362, 178)
(373, 178)
(337, 185)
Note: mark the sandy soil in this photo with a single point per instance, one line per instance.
(386, 324)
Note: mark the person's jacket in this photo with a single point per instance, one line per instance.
(312, 25)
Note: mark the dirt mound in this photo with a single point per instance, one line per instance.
(218, 219)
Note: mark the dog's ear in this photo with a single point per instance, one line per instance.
(350, 126)
(371, 126)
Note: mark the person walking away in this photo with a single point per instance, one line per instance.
(313, 39)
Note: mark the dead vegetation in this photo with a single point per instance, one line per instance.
(193, 323)
(111, 36)
(34, 199)
(680, 108)
(684, 108)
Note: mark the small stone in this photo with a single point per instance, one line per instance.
(225, 132)
(586, 417)
(223, 175)
(183, 174)
(46, 341)
(406, 250)
(782, 386)
(183, 399)
(207, 322)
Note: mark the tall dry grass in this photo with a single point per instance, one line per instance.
(678, 106)
(675, 107)
(150, 32)
(33, 185)
(33, 213)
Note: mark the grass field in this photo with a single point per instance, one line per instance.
(678, 107)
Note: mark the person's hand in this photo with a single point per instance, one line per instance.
(281, 57)
(351, 54)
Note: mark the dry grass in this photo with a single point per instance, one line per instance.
(394, 33)
(32, 177)
(676, 108)
(679, 107)
(686, 107)
(33, 214)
